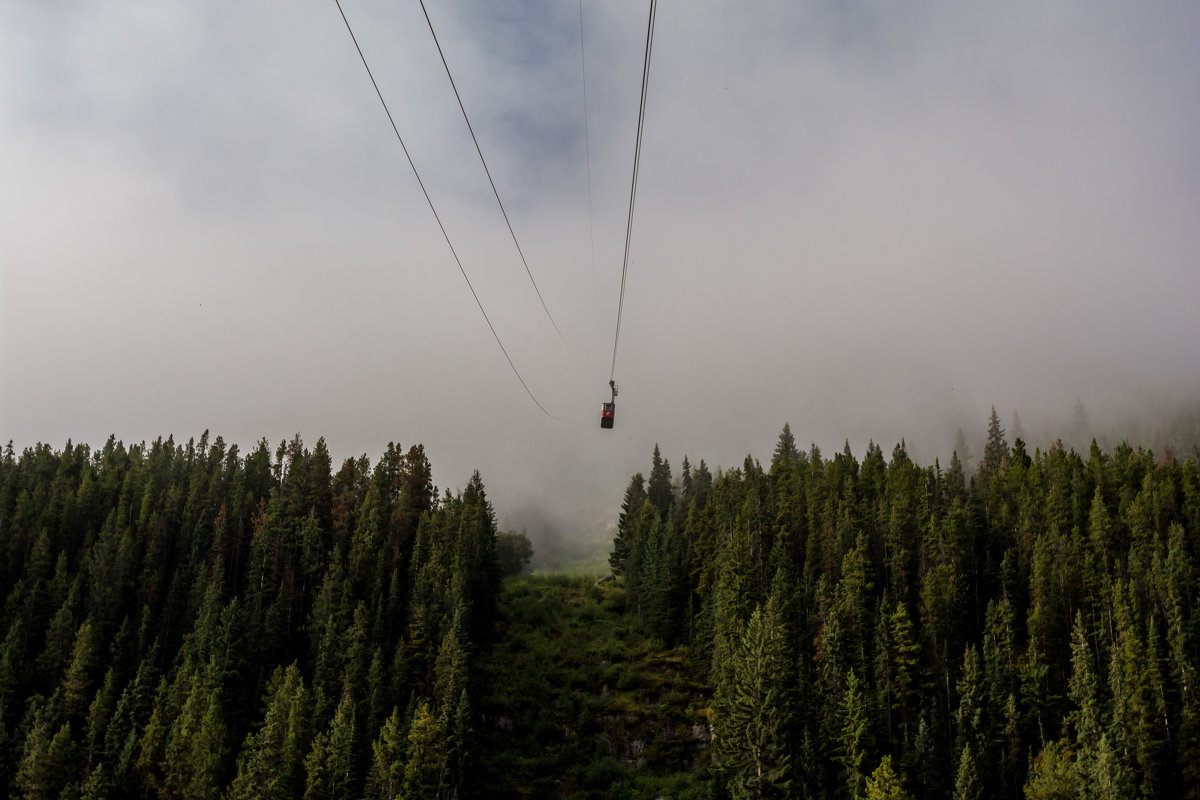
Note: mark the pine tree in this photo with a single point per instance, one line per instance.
(1052, 775)
(854, 739)
(456, 721)
(329, 766)
(702, 485)
(966, 780)
(635, 496)
(100, 714)
(885, 784)
(786, 452)
(1093, 770)
(77, 679)
(752, 713)
(853, 600)
(1134, 730)
(658, 489)
(48, 757)
(1185, 672)
(996, 448)
(387, 763)
(896, 670)
(60, 635)
(269, 765)
(425, 765)
(195, 747)
(972, 715)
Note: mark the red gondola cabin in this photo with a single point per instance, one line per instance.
(608, 411)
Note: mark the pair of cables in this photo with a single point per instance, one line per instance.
(495, 191)
(429, 200)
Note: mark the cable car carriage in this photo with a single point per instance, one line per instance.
(608, 410)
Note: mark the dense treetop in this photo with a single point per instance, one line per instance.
(1029, 629)
(183, 621)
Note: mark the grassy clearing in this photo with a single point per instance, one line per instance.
(579, 702)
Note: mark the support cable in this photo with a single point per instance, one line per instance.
(495, 191)
(637, 157)
(442, 227)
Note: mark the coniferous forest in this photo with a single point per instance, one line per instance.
(184, 621)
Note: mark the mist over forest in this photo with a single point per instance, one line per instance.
(873, 225)
(304, 491)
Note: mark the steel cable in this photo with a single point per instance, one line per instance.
(442, 227)
(482, 160)
(637, 157)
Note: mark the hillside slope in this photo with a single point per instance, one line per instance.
(580, 702)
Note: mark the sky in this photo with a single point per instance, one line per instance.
(872, 221)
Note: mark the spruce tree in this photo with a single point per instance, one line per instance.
(658, 489)
(424, 768)
(43, 768)
(1052, 775)
(854, 737)
(1086, 719)
(329, 766)
(271, 761)
(387, 760)
(752, 712)
(786, 453)
(966, 780)
(194, 753)
(996, 448)
(631, 506)
(77, 678)
(885, 784)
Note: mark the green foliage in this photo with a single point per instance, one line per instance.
(183, 620)
(153, 595)
(387, 760)
(195, 749)
(269, 765)
(752, 712)
(853, 741)
(635, 496)
(423, 771)
(996, 448)
(885, 784)
(578, 699)
(329, 766)
(46, 758)
(1053, 775)
(958, 620)
(513, 552)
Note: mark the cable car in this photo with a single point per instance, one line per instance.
(608, 411)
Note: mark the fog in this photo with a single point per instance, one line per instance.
(871, 222)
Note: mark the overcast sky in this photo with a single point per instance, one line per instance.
(872, 220)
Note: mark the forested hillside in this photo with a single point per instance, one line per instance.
(183, 621)
(878, 627)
